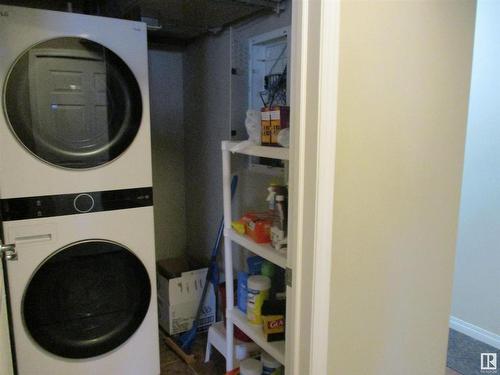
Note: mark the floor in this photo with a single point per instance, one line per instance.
(464, 353)
(171, 364)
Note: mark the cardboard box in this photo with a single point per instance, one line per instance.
(179, 293)
(265, 127)
(273, 120)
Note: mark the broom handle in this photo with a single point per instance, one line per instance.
(213, 257)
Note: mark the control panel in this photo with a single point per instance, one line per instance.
(78, 203)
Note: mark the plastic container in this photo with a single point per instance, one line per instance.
(270, 366)
(258, 291)
(279, 226)
(280, 217)
(252, 124)
(242, 291)
(274, 190)
(250, 366)
(254, 265)
(268, 269)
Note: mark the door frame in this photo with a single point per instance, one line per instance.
(314, 63)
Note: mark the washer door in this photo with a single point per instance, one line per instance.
(73, 103)
(87, 299)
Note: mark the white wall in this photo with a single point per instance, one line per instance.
(215, 103)
(167, 141)
(476, 299)
(403, 97)
(206, 98)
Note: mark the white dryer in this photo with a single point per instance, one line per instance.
(82, 289)
(75, 103)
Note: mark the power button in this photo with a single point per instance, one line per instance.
(83, 203)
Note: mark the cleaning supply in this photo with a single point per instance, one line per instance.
(187, 339)
(254, 265)
(268, 269)
(258, 291)
(274, 190)
(250, 366)
(273, 319)
(238, 226)
(281, 209)
(278, 283)
(242, 291)
(258, 226)
(279, 225)
(270, 366)
(278, 210)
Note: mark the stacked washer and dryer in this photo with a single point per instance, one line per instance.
(76, 194)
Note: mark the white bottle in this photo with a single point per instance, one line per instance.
(258, 291)
(250, 366)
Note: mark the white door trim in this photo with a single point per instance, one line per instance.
(314, 62)
(326, 140)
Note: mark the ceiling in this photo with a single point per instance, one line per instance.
(176, 20)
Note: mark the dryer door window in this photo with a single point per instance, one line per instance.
(87, 299)
(73, 103)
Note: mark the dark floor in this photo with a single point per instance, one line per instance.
(171, 364)
(463, 357)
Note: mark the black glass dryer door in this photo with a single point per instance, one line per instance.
(87, 299)
(73, 103)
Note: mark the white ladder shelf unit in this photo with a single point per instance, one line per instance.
(233, 315)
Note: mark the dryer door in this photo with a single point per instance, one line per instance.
(73, 103)
(86, 299)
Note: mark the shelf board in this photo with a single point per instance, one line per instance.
(265, 251)
(275, 349)
(247, 148)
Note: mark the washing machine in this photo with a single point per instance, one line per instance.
(82, 286)
(75, 103)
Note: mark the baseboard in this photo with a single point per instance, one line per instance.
(475, 332)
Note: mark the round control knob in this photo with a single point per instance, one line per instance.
(83, 203)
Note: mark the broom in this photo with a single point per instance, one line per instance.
(186, 339)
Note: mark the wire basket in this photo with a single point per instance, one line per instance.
(275, 89)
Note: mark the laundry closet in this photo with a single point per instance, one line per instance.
(128, 159)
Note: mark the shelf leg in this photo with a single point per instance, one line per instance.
(228, 258)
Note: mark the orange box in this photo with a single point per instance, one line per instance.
(258, 227)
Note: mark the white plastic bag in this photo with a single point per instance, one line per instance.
(284, 137)
(252, 124)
